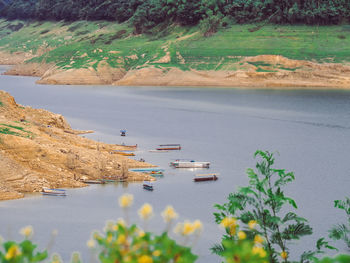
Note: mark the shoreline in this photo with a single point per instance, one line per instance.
(39, 149)
(282, 73)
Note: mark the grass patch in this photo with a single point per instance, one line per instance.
(259, 69)
(4, 130)
(85, 44)
(1, 104)
(15, 130)
(259, 63)
(44, 31)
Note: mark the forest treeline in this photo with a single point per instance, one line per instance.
(146, 14)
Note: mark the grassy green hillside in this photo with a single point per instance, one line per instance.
(85, 44)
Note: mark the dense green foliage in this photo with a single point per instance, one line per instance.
(147, 14)
(342, 231)
(263, 203)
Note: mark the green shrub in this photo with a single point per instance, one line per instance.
(342, 231)
(261, 204)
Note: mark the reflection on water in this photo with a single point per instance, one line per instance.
(309, 129)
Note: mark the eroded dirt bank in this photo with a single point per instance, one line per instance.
(266, 71)
(39, 149)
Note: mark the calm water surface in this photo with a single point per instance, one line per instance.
(309, 129)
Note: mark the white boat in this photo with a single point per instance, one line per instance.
(50, 191)
(189, 164)
(158, 151)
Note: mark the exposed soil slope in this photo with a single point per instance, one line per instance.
(258, 71)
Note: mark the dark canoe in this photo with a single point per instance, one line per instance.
(205, 178)
(148, 186)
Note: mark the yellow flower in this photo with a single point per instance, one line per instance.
(109, 238)
(27, 231)
(242, 235)
(228, 222)
(121, 222)
(127, 259)
(13, 252)
(109, 226)
(141, 233)
(145, 259)
(197, 225)
(284, 254)
(259, 251)
(56, 259)
(258, 239)
(184, 229)
(252, 224)
(188, 228)
(156, 253)
(169, 214)
(126, 200)
(146, 211)
(90, 243)
(232, 230)
(121, 239)
(97, 236)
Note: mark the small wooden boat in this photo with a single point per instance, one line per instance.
(205, 177)
(158, 151)
(189, 164)
(147, 185)
(51, 191)
(122, 132)
(156, 173)
(168, 147)
(146, 170)
(93, 181)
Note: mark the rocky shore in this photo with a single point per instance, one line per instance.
(40, 149)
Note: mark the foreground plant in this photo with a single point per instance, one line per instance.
(259, 207)
(123, 243)
(342, 231)
(25, 251)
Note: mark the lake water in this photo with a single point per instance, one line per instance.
(310, 130)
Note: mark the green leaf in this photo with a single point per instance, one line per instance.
(291, 202)
(295, 231)
(292, 216)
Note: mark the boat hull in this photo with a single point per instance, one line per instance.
(190, 164)
(53, 192)
(202, 179)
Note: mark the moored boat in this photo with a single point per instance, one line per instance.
(93, 181)
(168, 147)
(146, 170)
(147, 185)
(206, 177)
(158, 151)
(52, 191)
(156, 173)
(189, 164)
